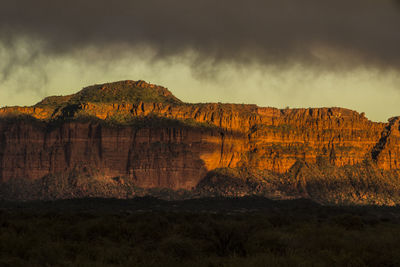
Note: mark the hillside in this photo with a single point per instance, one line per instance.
(128, 139)
(117, 92)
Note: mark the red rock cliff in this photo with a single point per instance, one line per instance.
(143, 133)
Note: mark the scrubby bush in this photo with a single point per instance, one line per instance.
(291, 234)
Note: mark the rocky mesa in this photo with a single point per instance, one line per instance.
(132, 138)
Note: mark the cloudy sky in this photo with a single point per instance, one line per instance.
(309, 53)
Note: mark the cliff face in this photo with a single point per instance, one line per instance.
(161, 157)
(141, 136)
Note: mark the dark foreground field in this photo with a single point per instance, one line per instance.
(205, 232)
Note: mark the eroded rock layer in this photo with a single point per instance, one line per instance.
(118, 138)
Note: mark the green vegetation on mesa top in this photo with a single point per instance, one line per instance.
(116, 92)
(54, 101)
(125, 91)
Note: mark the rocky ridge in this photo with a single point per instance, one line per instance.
(130, 138)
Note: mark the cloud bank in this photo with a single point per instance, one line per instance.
(311, 31)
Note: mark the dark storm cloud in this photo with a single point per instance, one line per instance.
(327, 33)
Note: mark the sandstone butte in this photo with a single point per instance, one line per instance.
(132, 138)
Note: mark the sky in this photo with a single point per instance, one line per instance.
(278, 53)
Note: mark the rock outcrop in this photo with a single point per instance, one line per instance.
(129, 138)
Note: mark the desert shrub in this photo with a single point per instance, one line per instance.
(287, 235)
(267, 241)
(349, 221)
(228, 238)
(179, 247)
